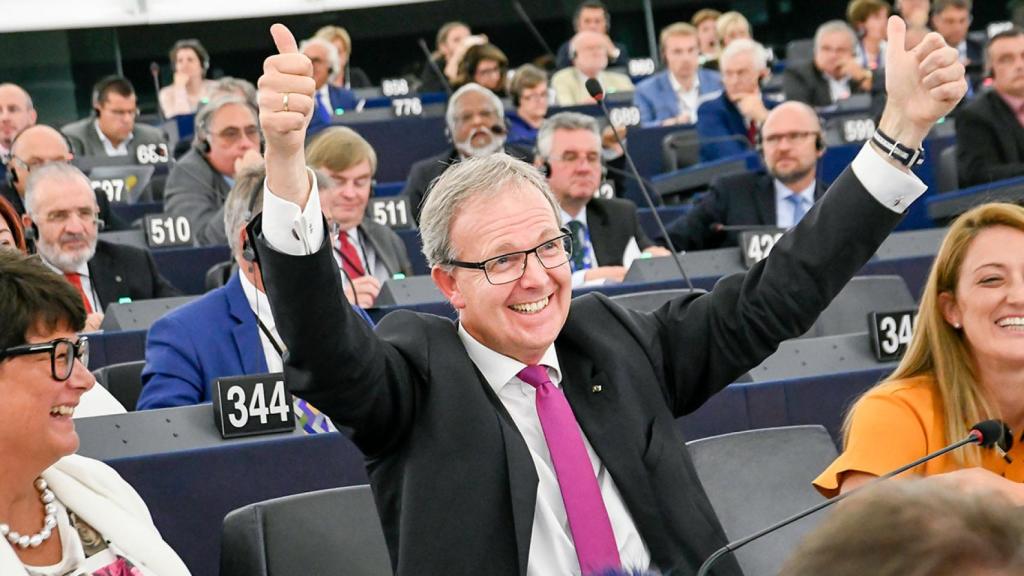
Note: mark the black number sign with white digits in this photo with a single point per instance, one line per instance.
(116, 189)
(152, 153)
(392, 87)
(891, 333)
(407, 107)
(392, 212)
(858, 129)
(164, 230)
(757, 244)
(253, 404)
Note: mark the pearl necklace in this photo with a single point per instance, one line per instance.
(49, 522)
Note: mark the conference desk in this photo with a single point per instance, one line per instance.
(944, 207)
(190, 491)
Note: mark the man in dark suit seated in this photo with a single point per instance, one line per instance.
(728, 125)
(227, 140)
(33, 147)
(593, 15)
(537, 434)
(63, 216)
(952, 19)
(368, 253)
(330, 100)
(673, 95)
(990, 129)
(791, 144)
(229, 331)
(834, 74)
(112, 130)
(475, 122)
(606, 235)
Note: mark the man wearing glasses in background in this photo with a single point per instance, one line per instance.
(61, 211)
(227, 139)
(790, 143)
(112, 130)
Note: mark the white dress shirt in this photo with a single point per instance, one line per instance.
(551, 547)
(784, 208)
(108, 146)
(260, 306)
(294, 230)
(838, 89)
(689, 100)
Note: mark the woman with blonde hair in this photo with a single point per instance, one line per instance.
(347, 77)
(965, 364)
(732, 26)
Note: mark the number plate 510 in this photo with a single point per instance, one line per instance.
(252, 404)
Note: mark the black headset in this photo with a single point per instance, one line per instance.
(248, 250)
(104, 85)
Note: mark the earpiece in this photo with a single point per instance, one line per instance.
(248, 250)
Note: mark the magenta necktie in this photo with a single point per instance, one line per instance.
(588, 519)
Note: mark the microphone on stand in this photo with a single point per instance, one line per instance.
(597, 93)
(154, 70)
(434, 67)
(987, 434)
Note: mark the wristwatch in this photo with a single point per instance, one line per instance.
(898, 152)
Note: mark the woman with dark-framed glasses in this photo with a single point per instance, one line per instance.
(59, 513)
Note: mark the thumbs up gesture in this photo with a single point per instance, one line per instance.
(286, 91)
(923, 84)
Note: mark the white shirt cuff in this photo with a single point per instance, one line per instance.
(578, 278)
(290, 229)
(892, 187)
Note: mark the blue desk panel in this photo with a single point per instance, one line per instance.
(186, 267)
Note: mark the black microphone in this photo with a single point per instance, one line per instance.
(533, 29)
(434, 67)
(154, 70)
(985, 434)
(597, 93)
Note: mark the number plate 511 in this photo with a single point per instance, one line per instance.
(252, 404)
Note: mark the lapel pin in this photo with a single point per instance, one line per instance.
(595, 389)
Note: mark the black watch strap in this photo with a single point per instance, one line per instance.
(898, 152)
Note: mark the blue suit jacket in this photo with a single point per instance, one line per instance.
(657, 101)
(191, 346)
(719, 119)
(340, 99)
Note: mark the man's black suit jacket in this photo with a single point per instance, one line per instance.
(803, 82)
(423, 172)
(612, 223)
(746, 199)
(453, 479)
(118, 271)
(989, 141)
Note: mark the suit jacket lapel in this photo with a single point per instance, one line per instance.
(245, 332)
(599, 228)
(105, 277)
(384, 255)
(764, 200)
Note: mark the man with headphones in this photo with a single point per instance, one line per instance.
(112, 130)
(834, 73)
(330, 100)
(590, 58)
(227, 139)
(475, 126)
(990, 129)
(673, 95)
(64, 220)
(606, 234)
(34, 147)
(593, 15)
(791, 143)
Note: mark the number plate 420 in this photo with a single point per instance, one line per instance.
(251, 405)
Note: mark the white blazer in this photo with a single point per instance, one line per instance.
(98, 495)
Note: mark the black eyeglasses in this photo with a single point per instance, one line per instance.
(511, 267)
(63, 353)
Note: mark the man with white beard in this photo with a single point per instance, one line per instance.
(475, 127)
(62, 213)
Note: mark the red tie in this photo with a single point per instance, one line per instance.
(350, 261)
(75, 279)
(752, 133)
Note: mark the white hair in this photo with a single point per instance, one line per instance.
(453, 103)
(333, 60)
(741, 45)
(50, 171)
(63, 261)
(564, 121)
(834, 26)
